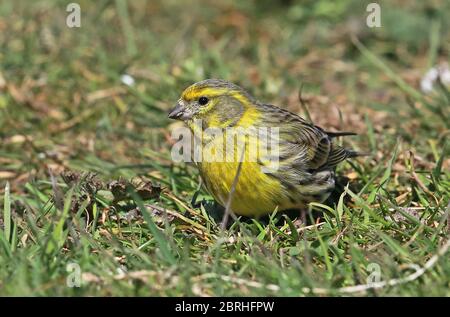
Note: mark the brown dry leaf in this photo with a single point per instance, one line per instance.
(7, 174)
(144, 73)
(22, 177)
(352, 175)
(17, 94)
(254, 75)
(105, 93)
(90, 76)
(413, 212)
(90, 278)
(118, 188)
(145, 188)
(234, 19)
(15, 139)
(24, 239)
(56, 168)
(39, 102)
(84, 115)
(105, 233)
(5, 160)
(136, 275)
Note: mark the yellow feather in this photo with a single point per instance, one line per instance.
(252, 185)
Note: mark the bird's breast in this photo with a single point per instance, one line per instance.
(255, 192)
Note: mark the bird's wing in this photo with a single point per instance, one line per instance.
(307, 146)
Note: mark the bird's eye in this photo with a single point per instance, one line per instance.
(203, 101)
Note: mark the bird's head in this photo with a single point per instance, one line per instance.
(216, 102)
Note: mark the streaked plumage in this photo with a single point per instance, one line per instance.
(308, 156)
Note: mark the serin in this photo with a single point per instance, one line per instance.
(307, 156)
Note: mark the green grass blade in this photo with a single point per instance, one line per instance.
(128, 34)
(374, 59)
(7, 212)
(58, 235)
(159, 236)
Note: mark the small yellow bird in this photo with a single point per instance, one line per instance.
(306, 156)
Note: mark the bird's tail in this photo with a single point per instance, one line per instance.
(349, 153)
(338, 134)
(352, 153)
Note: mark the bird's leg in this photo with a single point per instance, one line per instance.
(194, 202)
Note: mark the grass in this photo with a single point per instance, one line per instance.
(89, 189)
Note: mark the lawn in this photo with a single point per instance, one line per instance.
(91, 203)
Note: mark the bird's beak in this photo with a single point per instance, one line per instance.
(179, 112)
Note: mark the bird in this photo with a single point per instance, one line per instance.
(302, 171)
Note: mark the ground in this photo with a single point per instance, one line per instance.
(92, 204)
